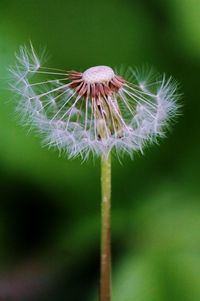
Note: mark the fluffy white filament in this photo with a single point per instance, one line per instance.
(136, 114)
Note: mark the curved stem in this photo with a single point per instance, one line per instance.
(105, 281)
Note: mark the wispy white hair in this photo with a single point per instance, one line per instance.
(143, 106)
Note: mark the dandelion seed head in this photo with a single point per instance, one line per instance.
(96, 111)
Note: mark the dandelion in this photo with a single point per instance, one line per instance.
(96, 112)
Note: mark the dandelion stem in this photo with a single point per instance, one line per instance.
(105, 281)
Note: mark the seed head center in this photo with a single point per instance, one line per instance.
(98, 74)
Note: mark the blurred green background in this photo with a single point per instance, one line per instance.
(50, 206)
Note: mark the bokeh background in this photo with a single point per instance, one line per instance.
(50, 206)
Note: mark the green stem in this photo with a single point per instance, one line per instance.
(105, 281)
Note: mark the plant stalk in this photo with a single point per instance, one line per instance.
(105, 279)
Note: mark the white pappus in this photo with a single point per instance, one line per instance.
(96, 111)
